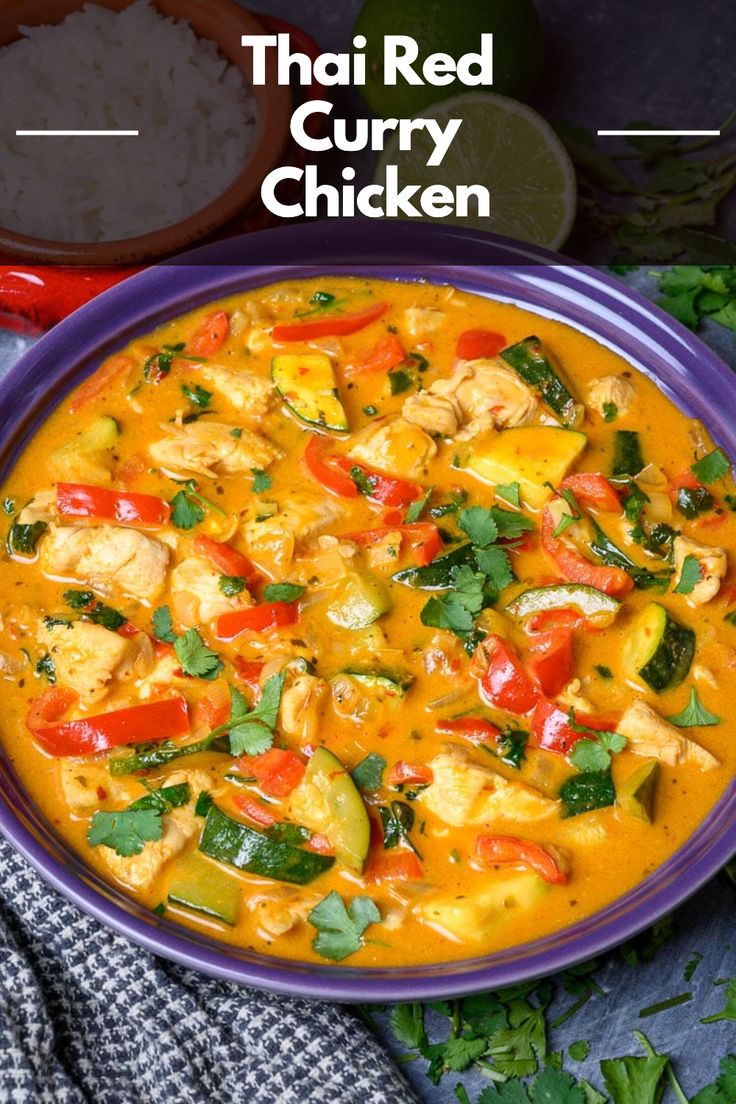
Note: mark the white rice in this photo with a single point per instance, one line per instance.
(132, 70)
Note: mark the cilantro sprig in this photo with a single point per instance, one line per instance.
(252, 731)
(593, 752)
(189, 507)
(694, 714)
(340, 929)
(128, 831)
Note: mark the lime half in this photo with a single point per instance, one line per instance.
(511, 150)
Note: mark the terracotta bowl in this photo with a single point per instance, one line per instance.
(223, 22)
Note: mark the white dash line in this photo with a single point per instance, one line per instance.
(77, 133)
(658, 133)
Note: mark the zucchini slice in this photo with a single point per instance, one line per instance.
(385, 685)
(659, 650)
(308, 386)
(635, 795)
(438, 574)
(230, 841)
(200, 885)
(536, 457)
(537, 369)
(627, 456)
(341, 814)
(86, 458)
(360, 601)
(597, 607)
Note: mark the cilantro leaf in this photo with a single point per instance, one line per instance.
(456, 609)
(163, 626)
(461, 1051)
(407, 1023)
(729, 1009)
(553, 1086)
(195, 657)
(509, 492)
(368, 773)
(22, 539)
(400, 381)
(694, 714)
(340, 930)
(185, 513)
(579, 1051)
(363, 482)
(510, 525)
(689, 576)
(632, 1080)
(495, 564)
(252, 731)
(479, 525)
(126, 832)
(610, 412)
(196, 395)
(47, 669)
(397, 821)
(711, 468)
(262, 481)
(283, 592)
(230, 585)
(594, 752)
(94, 611)
(418, 506)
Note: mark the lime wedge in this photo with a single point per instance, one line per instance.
(511, 150)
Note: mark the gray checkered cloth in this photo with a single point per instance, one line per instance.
(86, 1016)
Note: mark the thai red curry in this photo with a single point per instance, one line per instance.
(375, 622)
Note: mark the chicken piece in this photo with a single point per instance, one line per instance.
(650, 735)
(571, 698)
(246, 391)
(713, 567)
(480, 394)
(383, 555)
(300, 516)
(107, 557)
(279, 912)
(423, 320)
(85, 783)
(40, 508)
(140, 871)
(211, 448)
(196, 597)
(609, 391)
(462, 792)
(397, 448)
(488, 387)
(299, 713)
(88, 658)
(439, 415)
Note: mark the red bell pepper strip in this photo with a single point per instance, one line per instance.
(509, 849)
(249, 671)
(336, 325)
(414, 773)
(210, 337)
(552, 731)
(503, 681)
(213, 709)
(385, 355)
(475, 729)
(277, 771)
(226, 559)
(385, 489)
(126, 508)
(319, 843)
(393, 866)
(269, 615)
(325, 468)
(574, 566)
(474, 344)
(159, 720)
(548, 620)
(552, 662)
(110, 372)
(593, 489)
(424, 537)
(254, 810)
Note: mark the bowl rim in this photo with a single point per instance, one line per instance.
(400, 250)
(274, 102)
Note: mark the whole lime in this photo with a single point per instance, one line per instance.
(446, 26)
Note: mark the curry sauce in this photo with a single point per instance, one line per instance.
(349, 591)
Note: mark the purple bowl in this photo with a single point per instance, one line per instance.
(598, 305)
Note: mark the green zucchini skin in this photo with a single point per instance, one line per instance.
(590, 603)
(670, 648)
(529, 360)
(202, 887)
(230, 841)
(627, 456)
(438, 574)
